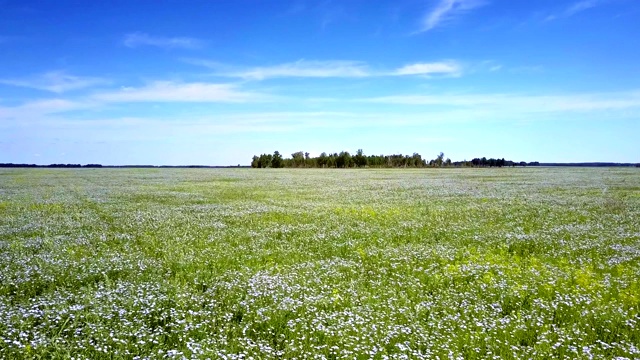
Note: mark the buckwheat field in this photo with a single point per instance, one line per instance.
(533, 263)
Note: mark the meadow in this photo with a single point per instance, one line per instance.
(511, 263)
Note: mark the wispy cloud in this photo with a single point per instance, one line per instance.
(446, 11)
(581, 6)
(325, 12)
(156, 92)
(329, 69)
(575, 8)
(521, 103)
(38, 108)
(436, 68)
(137, 39)
(166, 91)
(305, 68)
(56, 81)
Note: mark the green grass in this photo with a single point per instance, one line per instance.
(537, 263)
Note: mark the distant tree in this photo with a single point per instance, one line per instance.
(308, 161)
(322, 160)
(276, 160)
(439, 160)
(298, 159)
(340, 160)
(265, 161)
(331, 160)
(417, 160)
(359, 159)
(344, 160)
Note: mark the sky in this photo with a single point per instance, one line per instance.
(177, 82)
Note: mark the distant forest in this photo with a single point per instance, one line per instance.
(345, 160)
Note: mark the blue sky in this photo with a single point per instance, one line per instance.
(215, 82)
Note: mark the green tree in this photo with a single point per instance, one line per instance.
(359, 159)
(298, 159)
(322, 159)
(417, 160)
(344, 160)
(440, 159)
(265, 161)
(276, 160)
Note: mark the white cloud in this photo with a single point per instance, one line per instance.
(304, 68)
(166, 91)
(581, 6)
(155, 92)
(39, 108)
(56, 81)
(447, 10)
(207, 63)
(521, 103)
(437, 68)
(137, 39)
(328, 69)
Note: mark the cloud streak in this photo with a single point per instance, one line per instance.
(446, 11)
(156, 92)
(138, 39)
(521, 103)
(167, 91)
(38, 108)
(330, 69)
(56, 81)
(305, 68)
(575, 8)
(437, 68)
(581, 6)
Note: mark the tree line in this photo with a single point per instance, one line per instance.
(345, 160)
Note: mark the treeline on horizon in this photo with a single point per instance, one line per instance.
(345, 160)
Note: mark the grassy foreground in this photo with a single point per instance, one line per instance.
(320, 264)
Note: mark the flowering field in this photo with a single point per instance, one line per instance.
(320, 264)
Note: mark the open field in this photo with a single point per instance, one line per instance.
(320, 264)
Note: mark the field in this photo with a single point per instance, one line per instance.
(320, 264)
